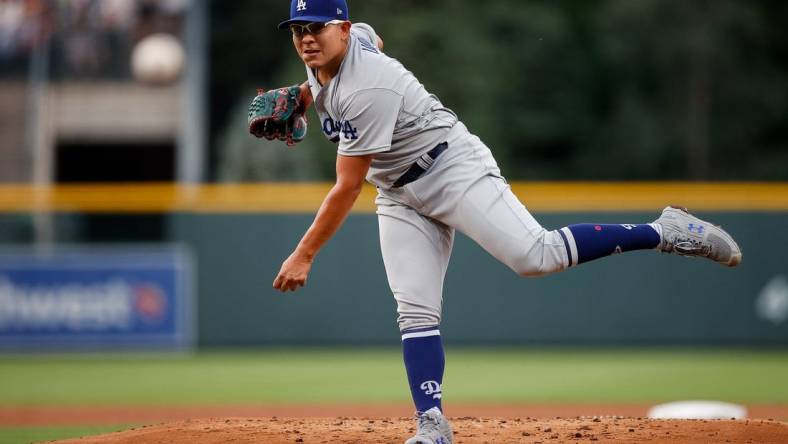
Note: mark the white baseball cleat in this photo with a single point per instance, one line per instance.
(686, 235)
(434, 428)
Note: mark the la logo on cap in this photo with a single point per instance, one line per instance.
(301, 5)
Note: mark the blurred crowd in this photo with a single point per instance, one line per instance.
(88, 38)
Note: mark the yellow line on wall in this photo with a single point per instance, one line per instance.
(550, 197)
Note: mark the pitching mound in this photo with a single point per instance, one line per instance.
(467, 430)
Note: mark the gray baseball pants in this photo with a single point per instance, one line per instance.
(463, 190)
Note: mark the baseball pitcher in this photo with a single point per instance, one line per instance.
(433, 177)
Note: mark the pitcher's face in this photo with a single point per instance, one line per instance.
(321, 44)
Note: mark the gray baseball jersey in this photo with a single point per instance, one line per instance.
(376, 106)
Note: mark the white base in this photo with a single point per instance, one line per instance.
(698, 410)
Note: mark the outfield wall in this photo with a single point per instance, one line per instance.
(641, 297)
(636, 298)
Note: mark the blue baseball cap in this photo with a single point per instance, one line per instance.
(316, 11)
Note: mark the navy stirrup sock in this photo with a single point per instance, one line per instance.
(422, 351)
(592, 241)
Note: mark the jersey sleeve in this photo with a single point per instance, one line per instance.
(366, 32)
(368, 122)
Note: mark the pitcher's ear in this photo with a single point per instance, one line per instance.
(345, 27)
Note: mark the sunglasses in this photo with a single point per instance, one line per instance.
(313, 28)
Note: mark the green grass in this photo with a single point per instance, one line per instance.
(14, 435)
(377, 375)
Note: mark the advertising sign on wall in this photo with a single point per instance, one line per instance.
(96, 298)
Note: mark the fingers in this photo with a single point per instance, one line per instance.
(271, 130)
(293, 274)
(278, 282)
(270, 110)
(257, 128)
(275, 130)
(285, 284)
(291, 131)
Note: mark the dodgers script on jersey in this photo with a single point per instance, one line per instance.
(376, 106)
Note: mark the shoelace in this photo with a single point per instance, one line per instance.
(688, 247)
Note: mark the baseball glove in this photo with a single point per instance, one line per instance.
(278, 115)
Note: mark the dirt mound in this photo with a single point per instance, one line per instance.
(466, 430)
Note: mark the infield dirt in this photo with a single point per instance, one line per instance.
(467, 430)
